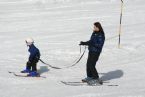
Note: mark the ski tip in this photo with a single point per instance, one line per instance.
(112, 85)
(10, 72)
(57, 68)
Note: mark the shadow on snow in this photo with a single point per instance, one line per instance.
(112, 75)
(43, 69)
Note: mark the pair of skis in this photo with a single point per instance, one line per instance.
(65, 82)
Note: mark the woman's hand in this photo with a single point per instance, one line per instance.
(83, 43)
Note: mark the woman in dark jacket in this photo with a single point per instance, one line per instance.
(95, 45)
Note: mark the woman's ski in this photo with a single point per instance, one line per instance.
(84, 84)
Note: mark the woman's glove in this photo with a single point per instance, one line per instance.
(83, 43)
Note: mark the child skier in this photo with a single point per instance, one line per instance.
(31, 66)
(95, 45)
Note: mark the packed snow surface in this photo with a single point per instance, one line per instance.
(57, 27)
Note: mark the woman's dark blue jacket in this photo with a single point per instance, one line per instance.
(96, 42)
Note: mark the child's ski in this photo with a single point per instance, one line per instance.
(20, 75)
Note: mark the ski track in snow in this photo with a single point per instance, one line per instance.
(57, 27)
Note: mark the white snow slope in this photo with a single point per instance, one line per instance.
(57, 26)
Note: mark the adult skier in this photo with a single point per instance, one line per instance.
(95, 45)
(31, 66)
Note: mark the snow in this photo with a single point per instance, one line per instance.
(57, 26)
